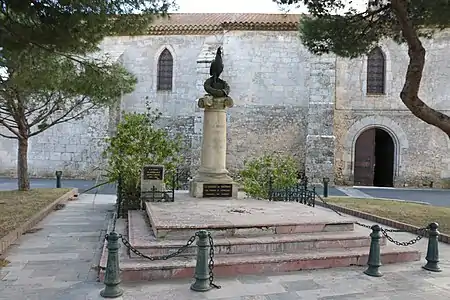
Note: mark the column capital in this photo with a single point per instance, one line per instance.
(210, 102)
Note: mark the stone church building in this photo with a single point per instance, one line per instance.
(339, 118)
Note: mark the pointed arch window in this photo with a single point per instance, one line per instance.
(376, 72)
(165, 71)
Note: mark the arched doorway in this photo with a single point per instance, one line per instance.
(374, 158)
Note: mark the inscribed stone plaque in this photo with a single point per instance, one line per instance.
(217, 190)
(153, 173)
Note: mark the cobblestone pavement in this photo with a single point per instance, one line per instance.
(55, 264)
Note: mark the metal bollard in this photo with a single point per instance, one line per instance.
(326, 180)
(433, 249)
(112, 274)
(374, 261)
(202, 283)
(58, 179)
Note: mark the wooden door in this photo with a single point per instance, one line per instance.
(364, 163)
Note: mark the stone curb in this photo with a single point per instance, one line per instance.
(383, 199)
(388, 222)
(14, 235)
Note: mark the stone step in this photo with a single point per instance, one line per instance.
(173, 230)
(286, 243)
(232, 265)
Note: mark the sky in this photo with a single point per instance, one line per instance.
(237, 6)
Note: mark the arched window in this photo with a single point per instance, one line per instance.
(375, 72)
(165, 71)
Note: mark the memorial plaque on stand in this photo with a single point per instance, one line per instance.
(211, 190)
(153, 173)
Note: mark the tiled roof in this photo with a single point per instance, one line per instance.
(198, 23)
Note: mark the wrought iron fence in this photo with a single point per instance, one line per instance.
(176, 180)
(296, 193)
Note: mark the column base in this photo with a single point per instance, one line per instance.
(213, 188)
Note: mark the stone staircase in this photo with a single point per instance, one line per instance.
(246, 247)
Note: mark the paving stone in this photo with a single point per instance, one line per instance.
(56, 262)
(283, 296)
(349, 296)
(301, 285)
(253, 279)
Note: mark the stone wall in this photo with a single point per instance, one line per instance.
(74, 147)
(269, 74)
(269, 77)
(422, 151)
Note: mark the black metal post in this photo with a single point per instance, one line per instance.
(326, 180)
(433, 249)
(58, 179)
(202, 277)
(374, 261)
(269, 188)
(112, 273)
(313, 199)
(174, 182)
(119, 196)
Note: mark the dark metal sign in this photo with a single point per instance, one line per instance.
(153, 172)
(211, 190)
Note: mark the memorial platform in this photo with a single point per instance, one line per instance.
(250, 236)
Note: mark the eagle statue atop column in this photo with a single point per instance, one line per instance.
(215, 86)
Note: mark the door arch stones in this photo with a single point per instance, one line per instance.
(392, 128)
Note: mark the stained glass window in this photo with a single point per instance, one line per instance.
(165, 71)
(375, 72)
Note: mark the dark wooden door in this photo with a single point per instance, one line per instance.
(364, 163)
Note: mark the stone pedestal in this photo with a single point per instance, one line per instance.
(212, 169)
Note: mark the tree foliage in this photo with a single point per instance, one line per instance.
(75, 26)
(40, 89)
(257, 172)
(138, 142)
(353, 33)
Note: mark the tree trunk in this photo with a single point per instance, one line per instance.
(416, 53)
(23, 179)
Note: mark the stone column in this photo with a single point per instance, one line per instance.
(214, 146)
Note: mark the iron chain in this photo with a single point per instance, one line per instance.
(420, 231)
(407, 243)
(178, 252)
(161, 257)
(211, 262)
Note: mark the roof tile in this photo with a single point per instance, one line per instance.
(198, 23)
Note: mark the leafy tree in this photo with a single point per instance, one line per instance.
(40, 89)
(255, 176)
(354, 33)
(75, 26)
(139, 142)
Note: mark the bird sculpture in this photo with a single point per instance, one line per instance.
(216, 66)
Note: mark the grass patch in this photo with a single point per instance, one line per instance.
(406, 212)
(18, 207)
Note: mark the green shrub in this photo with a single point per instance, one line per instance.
(254, 178)
(137, 143)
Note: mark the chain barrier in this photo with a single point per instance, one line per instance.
(180, 250)
(161, 257)
(407, 243)
(211, 262)
(420, 232)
